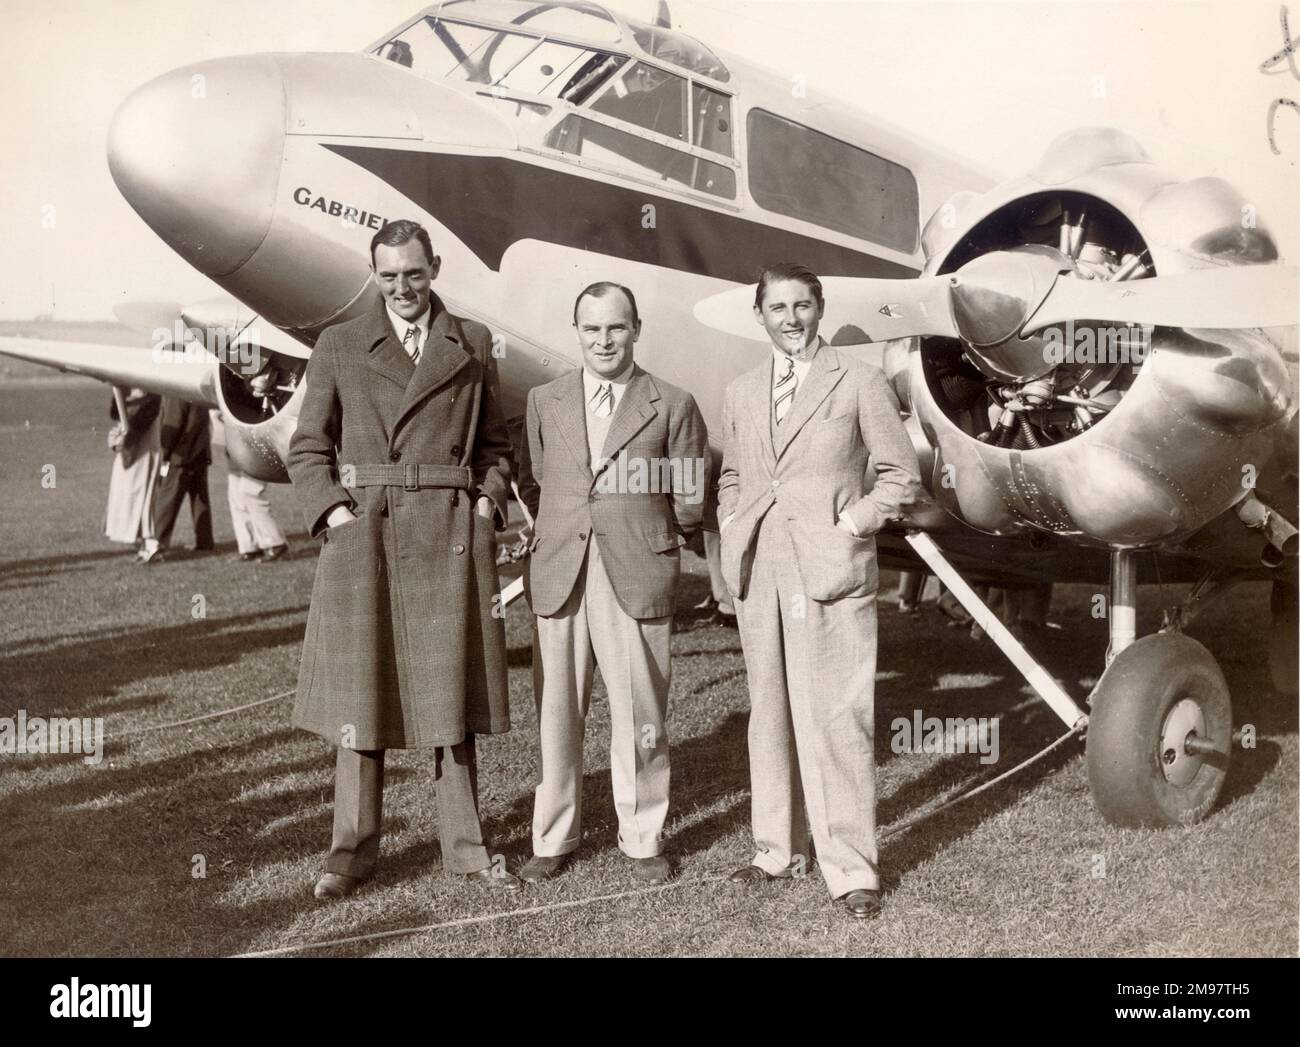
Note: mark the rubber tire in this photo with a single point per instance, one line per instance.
(1283, 649)
(1129, 707)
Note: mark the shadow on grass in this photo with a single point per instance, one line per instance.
(89, 672)
(118, 847)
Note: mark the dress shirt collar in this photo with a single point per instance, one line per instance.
(591, 384)
(420, 323)
(801, 363)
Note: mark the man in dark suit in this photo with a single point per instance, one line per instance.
(815, 462)
(185, 455)
(613, 469)
(401, 461)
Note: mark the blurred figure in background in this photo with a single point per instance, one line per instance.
(256, 533)
(186, 453)
(128, 518)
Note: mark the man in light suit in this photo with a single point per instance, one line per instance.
(802, 433)
(613, 469)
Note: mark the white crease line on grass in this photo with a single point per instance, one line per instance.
(197, 719)
(467, 921)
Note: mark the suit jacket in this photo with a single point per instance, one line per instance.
(638, 520)
(402, 645)
(185, 435)
(842, 429)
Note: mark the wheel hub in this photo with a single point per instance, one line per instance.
(1184, 720)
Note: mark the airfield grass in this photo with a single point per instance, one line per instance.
(102, 860)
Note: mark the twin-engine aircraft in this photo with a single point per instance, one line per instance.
(1097, 361)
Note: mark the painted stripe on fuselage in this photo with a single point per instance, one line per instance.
(491, 202)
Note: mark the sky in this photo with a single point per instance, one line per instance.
(994, 81)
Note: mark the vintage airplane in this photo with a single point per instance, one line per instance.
(547, 145)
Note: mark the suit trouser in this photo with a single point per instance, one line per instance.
(811, 668)
(713, 556)
(359, 801)
(168, 493)
(591, 628)
(250, 512)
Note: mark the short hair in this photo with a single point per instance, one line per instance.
(787, 271)
(402, 231)
(599, 290)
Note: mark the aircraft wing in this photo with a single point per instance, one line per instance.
(188, 375)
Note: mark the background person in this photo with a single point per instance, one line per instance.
(128, 518)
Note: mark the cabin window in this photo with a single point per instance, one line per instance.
(609, 147)
(802, 173)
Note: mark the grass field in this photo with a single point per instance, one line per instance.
(101, 860)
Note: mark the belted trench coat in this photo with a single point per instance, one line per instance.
(403, 648)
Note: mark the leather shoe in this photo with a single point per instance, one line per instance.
(862, 904)
(652, 870)
(541, 867)
(333, 886)
(275, 552)
(245, 557)
(752, 874)
(502, 878)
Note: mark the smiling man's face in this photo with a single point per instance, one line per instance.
(790, 314)
(405, 277)
(607, 333)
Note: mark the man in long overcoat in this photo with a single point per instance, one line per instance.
(401, 461)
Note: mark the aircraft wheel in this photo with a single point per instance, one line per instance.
(1156, 695)
(1283, 652)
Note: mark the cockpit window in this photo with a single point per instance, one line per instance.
(446, 50)
(650, 98)
(680, 50)
(578, 20)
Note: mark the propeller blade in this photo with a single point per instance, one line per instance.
(883, 309)
(1225, 297)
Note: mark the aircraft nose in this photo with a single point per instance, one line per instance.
(197, 153)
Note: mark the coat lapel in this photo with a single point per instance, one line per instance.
(757, 406)
(823, 375)
(386, 355)
(570, 416)
(634, 412)
(442, 356)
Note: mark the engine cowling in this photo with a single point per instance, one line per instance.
(1121, 436)
(261, 413)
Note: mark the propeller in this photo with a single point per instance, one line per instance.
(1005, 295)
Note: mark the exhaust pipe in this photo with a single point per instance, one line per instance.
(1283, 539)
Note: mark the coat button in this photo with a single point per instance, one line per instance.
(455, 450)
(776, 484)
(458, 548)
(582, 536)
(394, 456)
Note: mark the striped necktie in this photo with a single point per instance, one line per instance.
(602, 401)
(784, 389)
(411, 343)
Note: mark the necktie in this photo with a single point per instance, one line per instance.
(784, 389)
(602, 401)
(411, 343)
